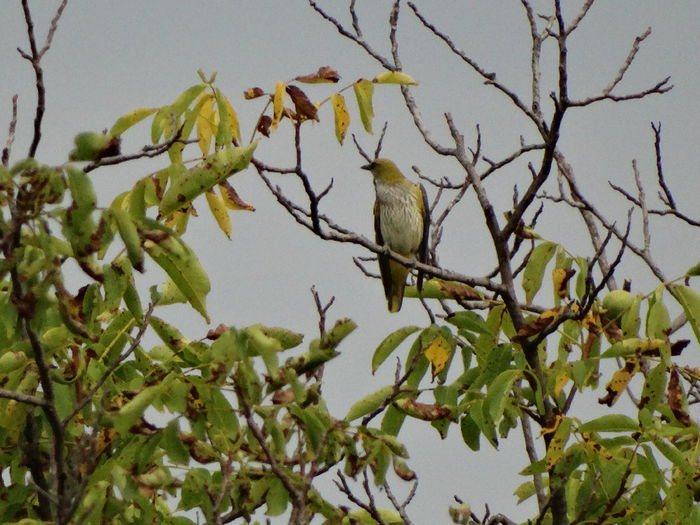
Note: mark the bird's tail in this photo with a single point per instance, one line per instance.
(394, 287)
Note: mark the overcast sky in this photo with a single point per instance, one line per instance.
(111, 57)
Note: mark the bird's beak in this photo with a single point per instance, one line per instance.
(367, 166)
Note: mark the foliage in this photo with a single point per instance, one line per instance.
(242, 422)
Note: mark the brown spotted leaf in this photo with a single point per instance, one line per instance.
(231, 198)
(619, 382)
(674, 398)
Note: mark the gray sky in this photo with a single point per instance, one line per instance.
(111, 57)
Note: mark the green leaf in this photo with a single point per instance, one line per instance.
(693, 271)
(689, 299)
(186, 185)
(470, 432)
(610, 423)
(369, 403)
(129, 414)
(389, 344)
(654, 387)
(658, 321)
(277, 498)
(470, 321)
(133, 117)
(497, 395)
(173, 445)
(183, 267)
(364, 89)
(534, 270)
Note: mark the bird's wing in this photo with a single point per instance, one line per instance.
(384, 261)
(423, 249)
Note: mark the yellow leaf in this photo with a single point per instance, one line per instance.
(232, 121)
(277, 104)
(342, 117)
(619, 381)
(394, 77)
(560, 382)
(206, 127)
(364, 90)
(219, 211)
(438, 353)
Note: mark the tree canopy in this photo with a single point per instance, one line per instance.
(115, 410)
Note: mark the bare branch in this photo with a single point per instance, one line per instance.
(7, 150)
(489, 77)
(659, 167)
(34, 57)
(357, 38)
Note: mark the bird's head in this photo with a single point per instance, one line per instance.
(384, 171)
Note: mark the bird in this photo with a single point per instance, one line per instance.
(401, 221)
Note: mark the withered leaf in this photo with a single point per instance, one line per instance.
(253, 92)
(304, 107)
(217, 332)
(325, 74)
(264, 124)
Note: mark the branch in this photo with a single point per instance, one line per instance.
(88, 397)
(357, 38)
(34, 57)
(148, 151)
(11, 133)
(23, 398)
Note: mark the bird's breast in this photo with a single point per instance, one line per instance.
(400, 218)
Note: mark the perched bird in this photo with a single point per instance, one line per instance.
(401, 223)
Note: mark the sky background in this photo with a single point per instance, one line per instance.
(111, 57)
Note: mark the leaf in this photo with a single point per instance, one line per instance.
(183, 267)
(470, 321)
(394, 77)
(556, 446)
(276, 498)
(689, 299)
(424, 411)
(187, 185)
(132, 240)
(206, 126)
(340, 115)
(369, 403)
(438, 353)
(497, 394)
(658, 323)
(304, 107)
(228, 121)
(231, 198)
(654, 387)
(389, 344)
(325, 74)
(534, 270)
(364, 89)
(619, 382)
(610, 423)
(253, 92)
(277, 105)
(693, 270)
(130, 119)
(219, 211)
(470, 432)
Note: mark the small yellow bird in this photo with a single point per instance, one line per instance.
(401, 221)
